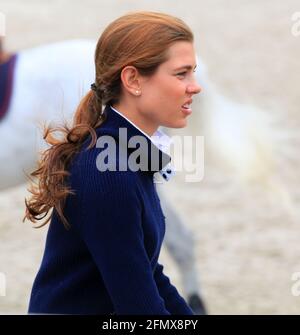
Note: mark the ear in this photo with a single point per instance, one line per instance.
(131, 80)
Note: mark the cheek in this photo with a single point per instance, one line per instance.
(164, 97)
(170, 89)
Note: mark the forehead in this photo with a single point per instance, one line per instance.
(181, 53)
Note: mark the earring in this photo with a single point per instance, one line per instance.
(137, 92)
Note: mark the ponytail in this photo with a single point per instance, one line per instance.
(48, 182)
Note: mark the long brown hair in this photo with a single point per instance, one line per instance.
(139, 39)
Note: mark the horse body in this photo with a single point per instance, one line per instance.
(49, 82)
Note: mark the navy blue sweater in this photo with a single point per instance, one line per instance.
(108, 261)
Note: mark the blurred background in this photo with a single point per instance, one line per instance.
(245, 213)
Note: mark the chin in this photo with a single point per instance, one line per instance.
(175, 124)
(180, 124)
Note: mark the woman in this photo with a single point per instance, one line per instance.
(106, 261)
(36, 80)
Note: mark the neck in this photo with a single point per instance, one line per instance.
(132, 114)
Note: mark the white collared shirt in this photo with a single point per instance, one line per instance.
(162, 141)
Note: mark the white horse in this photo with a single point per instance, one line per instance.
(48, 83)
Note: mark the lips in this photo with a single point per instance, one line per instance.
(186, 107)
(187, 104)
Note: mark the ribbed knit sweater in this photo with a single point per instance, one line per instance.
(107, 262)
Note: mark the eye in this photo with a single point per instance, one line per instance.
(184, 73)
(181, 73)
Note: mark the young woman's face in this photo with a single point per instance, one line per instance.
(166, 96)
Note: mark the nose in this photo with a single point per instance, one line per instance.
(194, 88)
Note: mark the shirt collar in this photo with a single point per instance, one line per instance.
(163, 142)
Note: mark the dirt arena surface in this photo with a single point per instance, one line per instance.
(247, 240)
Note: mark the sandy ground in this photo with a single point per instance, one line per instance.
(247, 243)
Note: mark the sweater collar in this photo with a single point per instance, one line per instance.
(156, 159)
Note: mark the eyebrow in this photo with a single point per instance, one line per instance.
(187, 67)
